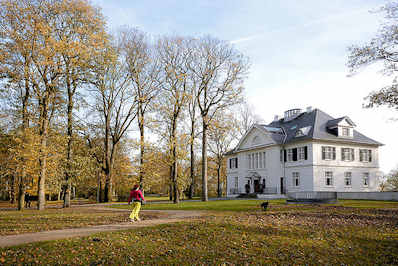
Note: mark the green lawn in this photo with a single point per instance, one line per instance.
(234, 232)
(217, 205)
(291, 234)
(254, 205)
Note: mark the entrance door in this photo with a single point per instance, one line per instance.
(282, 186)
(257, 187)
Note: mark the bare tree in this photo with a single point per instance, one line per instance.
(246, 117)
(193, 134)
(382, 48)
(86, 41)
(115, 106)
(219, 71)
(143, 71)
(223, 132)
(173, 53)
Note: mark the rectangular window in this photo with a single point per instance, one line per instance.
(328, 153)
(260, 160)
(365, 179)
(256, 156)
(264, 159)
(290, 155)
(233, 163)
(236, 182)
(347, 179)
(296, 179)
(329, 178)
(365, 155)
(347, 154)
(301, 153)
(345, 132)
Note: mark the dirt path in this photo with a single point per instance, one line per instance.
(166, 217)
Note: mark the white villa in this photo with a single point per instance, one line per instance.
(303, 151)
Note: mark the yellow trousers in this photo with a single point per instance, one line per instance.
(136, 210)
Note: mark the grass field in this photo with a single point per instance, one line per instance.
(253, 205)
(237, 233)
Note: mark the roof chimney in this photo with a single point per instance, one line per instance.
(309, 109)
(276, 118)
(291, 114)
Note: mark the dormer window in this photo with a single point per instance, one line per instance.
(346, 132)
(299, 133)
(341, 127)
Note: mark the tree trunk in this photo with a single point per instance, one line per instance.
(142, 145)
(108, 187)
(21, 193)
(175, 185)
(174, 158)
(98, 186)
(219, 192)
(171, 184)
(12, 189)
(192, 170)
(25, 126)
(69, 148)
(204, 161)
(43, 154)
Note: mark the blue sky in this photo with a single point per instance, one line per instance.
(298, 52)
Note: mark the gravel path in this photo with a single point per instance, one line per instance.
(169, 216)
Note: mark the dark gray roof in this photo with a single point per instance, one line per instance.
(334, 122)
(319, 122)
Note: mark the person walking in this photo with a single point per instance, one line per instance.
(137, 198)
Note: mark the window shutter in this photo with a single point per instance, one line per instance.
(305, 153)
(295, 154)
(353, 154)
(323, 153)
(370, 155)
(342, 154)
(284, 152)
(334, 153)
(236, 166)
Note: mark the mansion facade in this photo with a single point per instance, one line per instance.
(304, 151)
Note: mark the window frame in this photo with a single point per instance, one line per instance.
(301, 153)
(347, 154)
(348, 177)
(329, 177)
(296, 179)
(365, 179)
(328, 153)
(263, 159)
(290, 155)
(233, 163)
(345, 132)
(365, 155)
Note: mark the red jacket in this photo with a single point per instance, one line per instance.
(135, 195)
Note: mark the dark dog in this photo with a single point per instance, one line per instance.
(264, 205)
